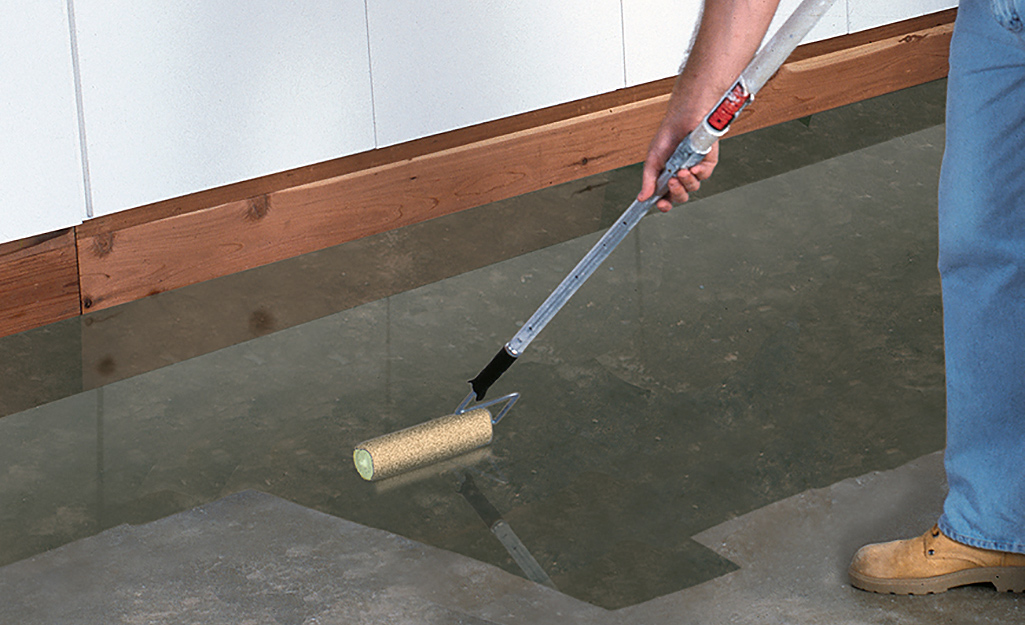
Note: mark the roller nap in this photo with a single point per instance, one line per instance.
(424, 444)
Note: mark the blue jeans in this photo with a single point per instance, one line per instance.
(982, 265)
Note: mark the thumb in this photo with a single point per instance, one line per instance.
(649, 178)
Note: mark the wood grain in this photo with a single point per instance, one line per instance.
(38, 282)
(808, 85)
(154, 249)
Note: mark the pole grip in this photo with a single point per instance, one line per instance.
(502, 361)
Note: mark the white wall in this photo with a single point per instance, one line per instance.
(191, 94)
(41, 181)
(658, 33)
(865, 14)
(456, 63)
(184, 95)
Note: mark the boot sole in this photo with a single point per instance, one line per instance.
(1003, 578)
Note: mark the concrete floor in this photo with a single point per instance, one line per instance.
(699, 439)
(254, 558)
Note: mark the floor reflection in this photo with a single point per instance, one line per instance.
(781, 333)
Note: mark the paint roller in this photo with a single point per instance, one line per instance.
(471, 426)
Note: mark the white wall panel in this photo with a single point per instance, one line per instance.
(659, 33)
(444, 65)
(865, 14)
(184, 95)
(40, 170)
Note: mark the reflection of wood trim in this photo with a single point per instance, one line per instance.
(162, 246)
(38, 282)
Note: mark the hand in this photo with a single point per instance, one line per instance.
(686, 181)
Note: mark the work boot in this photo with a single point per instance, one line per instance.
(933, 563)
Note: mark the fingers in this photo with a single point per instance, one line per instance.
(686, 181)
(704, 169)
(680, 186)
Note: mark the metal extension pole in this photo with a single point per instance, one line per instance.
(690, 152)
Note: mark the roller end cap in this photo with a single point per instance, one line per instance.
(364, 463)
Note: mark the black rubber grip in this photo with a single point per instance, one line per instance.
(502, 361)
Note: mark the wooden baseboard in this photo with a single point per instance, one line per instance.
(140, 252)
(39, 282)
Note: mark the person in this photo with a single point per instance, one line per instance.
(980, 535)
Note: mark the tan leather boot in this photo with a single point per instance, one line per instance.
(933, 563)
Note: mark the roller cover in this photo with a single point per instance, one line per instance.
(421, 445)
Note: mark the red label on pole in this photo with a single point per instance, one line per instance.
(735, 100)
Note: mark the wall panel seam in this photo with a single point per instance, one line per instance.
(622, 37)
(370, 72)
(80, 110)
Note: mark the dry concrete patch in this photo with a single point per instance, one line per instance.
(793, 557)
(255, 558)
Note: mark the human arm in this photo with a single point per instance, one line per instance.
(727, 39)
